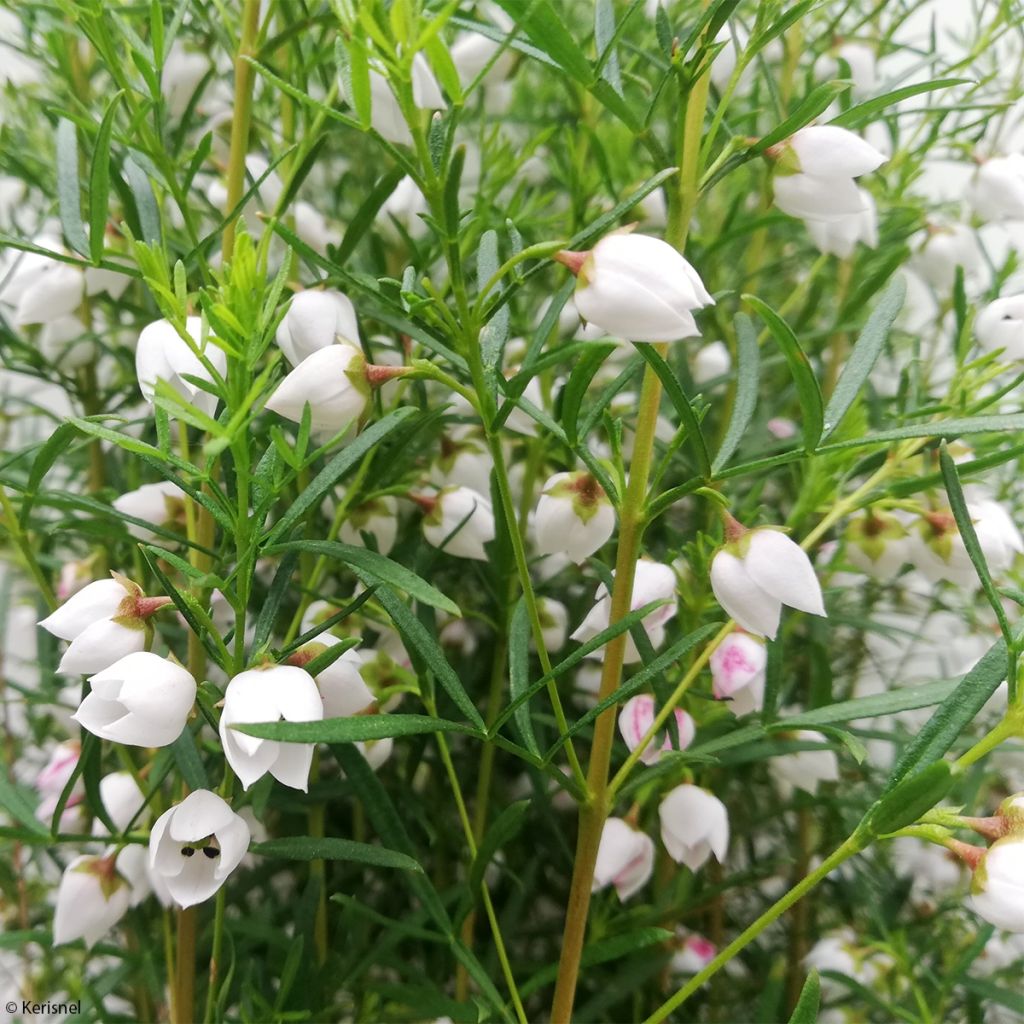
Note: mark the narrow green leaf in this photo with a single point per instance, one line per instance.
(518, 672)
(15, 801)
(495, 332)
(909, 799)
(604, 43)
(962, 515)
(329, 476)
(806, 1009)
(546, 30)
(99, 182)
(505, 828)
(949, 429)
(861, 113)
(864, 355)
(329, 848)
(415, 636)
(349, 730)
(694, 435)
(748, 374)
(576, 388)
(808, 392)
(45, 458)
(68, 197)
(190, 764)
(364, 217)
(366, 563)
(145, 201)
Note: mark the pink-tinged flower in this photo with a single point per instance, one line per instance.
(694, 825)
(636, 718)
(757, 572)
(195, 845)
(738, 672)
(692, 953)
(781, 428)
(625, 859)
(51, 781)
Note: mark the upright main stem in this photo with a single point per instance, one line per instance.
(595, 811)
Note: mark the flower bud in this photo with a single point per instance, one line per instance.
(694, 824)
(738, 672)
(997, 889)
(757, 572)
(269, 695)
(636, 718)
(877, 544)
(625, 859)
(637, 288)
(142, 700)
(195, 845)
(573, 516)
(91, 899)
(162, 354)
(161, 503)
(105, 621)
(333, 382)
(314, 321)
(652, 582)
(1000, 326)
(461, 522)
(997, 189)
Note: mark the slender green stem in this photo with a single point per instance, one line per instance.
(1012, 725)
(852, 846)
(24, 546)
(185, 975)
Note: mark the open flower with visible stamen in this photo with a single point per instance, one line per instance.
(104, 621)
(195, 845)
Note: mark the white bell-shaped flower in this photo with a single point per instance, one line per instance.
(183, 71)
(122, 800)
(378, 518)
(195, 845)
(315, 320)
(653, 582)
(946, 247)
(554, 624)
(142, 700)
(163, 354)
(694, 825)
(877, 543)
(332, 381)
(804, 769)
(53, 293)
(996, 191)
(859, 58)
(461, 521)
(692, 952)
(757, 573)
(637, 288)
(1000, 326)
(711, 362)
(91, 898)
(840, 237)
(738, 672)
(341, 684)
(385, 113)
(625, 859)
(573, 516)
(636, 718)
(161, 503)
(997, 889)
(270, 695)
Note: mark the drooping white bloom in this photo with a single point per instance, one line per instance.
(694, 825)
(404, 207)
(860, 58)
(804, 769)
(52, 293)
(182, 73)
(341, 684)
(91, 899)
(270, 695)
(637, 288)
(653, 582)
(163, 354)
(946, 247)
(573, 516)
(161, 503)
(997, 189)
(104, 621)
(461, 521)
(936, 548)
(63, 342)
(51, 781)
(473, 51)
(711, 362)
(625, 859)
(313, 227)
(315, 320)
(1000, 325)
(755, 575)
(838, 952)
(332, 381)
(378, 518)
(839, 237)
(195, 845)
(141, 700)
(738, 672)
(636, 718)
(877, 543)
(815, 171)
(997, 889)
(122, 800)
(385, 113)
(554, 622)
